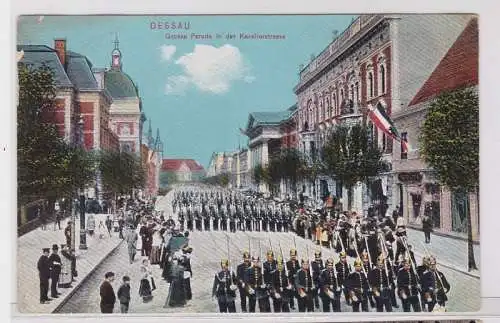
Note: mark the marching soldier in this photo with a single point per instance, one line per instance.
(223, 217)
(256, 288)
(317, 267)
(358, 287)
(435, 285)
(281, 288)
(408, 287)
(305, 288)
(330, 289)
(343, 270)
(270, 267)
(224, 288)
(380, 280)
(367, 267)
(292, 266)
(240, 275)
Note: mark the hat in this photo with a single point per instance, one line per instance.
(293, 252)
(255, 258)
(246, 255)
(224, 262)
(46, 249)
(330, 261)
(280, 260)
(63, 246)
(55, 247)
(270, 253)
(317, 253)
(380, 259)
(304, 261)
(343, 254)
(357, 263)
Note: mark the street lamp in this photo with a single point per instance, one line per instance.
(83, 234)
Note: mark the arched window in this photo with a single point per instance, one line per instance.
(382, 78)
(370, 85)
(351, 92)
(334, 105)
(328, 107)
(356, 93)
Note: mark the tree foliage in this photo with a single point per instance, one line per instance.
(450, 139)
(48, 167)
(351, 156)
(121, 171)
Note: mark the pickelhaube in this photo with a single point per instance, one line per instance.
(246, 255)
(293, 252)
(358, 263)
(304, 261)
(364, 255)
(224, 262)
(255, 258)
(317, 254)
(279, 260)
(380, 258)
(330, 262)
(270, 253)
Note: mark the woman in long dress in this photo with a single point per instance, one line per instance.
(147, 284)
(176, 294)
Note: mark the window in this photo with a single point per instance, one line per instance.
(370, 85)
(404, 152)
(356, 97)
(329, 107)
(334, 104)
(382, 78)
(351, 92)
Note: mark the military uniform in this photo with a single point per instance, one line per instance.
(408, 287)
(292, 266)
(330, 288)
(317, 267)
(358, 287)
(381, 284)
(224, 288)
(256, 288)
(281, 288)
(305, 288)
(343, 270)
(434, 284)
(241, 276)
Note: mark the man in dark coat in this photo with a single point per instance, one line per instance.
(55, 271)
(44, 275)
(240, 275)
(224, 288)
(108, 298)
(427, 228)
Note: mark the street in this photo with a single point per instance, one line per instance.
(208, 249)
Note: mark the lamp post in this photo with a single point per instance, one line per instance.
(83, 234)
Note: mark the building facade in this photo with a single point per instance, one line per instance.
(418, 189)
(126, 116)
(378, 59)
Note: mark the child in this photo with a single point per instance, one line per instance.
(124, 294)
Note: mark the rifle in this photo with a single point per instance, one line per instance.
(368, 251)
(413, 269)
(437, 274)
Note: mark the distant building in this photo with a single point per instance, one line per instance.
(180, 170)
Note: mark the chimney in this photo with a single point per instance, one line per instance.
(60, 47)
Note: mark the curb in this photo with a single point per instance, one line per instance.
(77, 287)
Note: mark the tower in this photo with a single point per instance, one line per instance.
(116, 55)
(151, 140)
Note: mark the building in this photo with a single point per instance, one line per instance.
(378, 59)
(288, 127)
(126, 109)
(244, 175)
(215, 165)
(180, 170)
(418, 190)
(82, 107)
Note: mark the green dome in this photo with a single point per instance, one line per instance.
(120, 85)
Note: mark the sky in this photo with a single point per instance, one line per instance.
(197, 91)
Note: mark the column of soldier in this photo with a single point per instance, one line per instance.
(378, 279)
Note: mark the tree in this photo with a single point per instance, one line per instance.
(450, 145)
(350, 156)
(312, 171)
(273, 173)
(48, 167)
(258, 174)
(292, 165)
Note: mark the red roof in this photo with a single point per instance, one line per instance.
(457, 69)
(175, 164)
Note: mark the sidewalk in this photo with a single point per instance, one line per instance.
(449, 252)
(29, 250)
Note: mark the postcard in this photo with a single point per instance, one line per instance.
(204, 164)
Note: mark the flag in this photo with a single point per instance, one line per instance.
(380, 118)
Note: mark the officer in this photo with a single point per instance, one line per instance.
(435, 284)
(330, 289)
(270, 266)
(343, 270)
(224, 288)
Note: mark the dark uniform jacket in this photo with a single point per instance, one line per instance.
(43, 266)
(435, 284)
(254, 281)
(317, 267)
(328, 281)
(292, 266)
(357, 282)
(303, 280)
(55, 265)
(241, 272)
(380, 279)
(222, 283)
(343, 270)
(269, 270)
(407, 282)
(281, 283)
